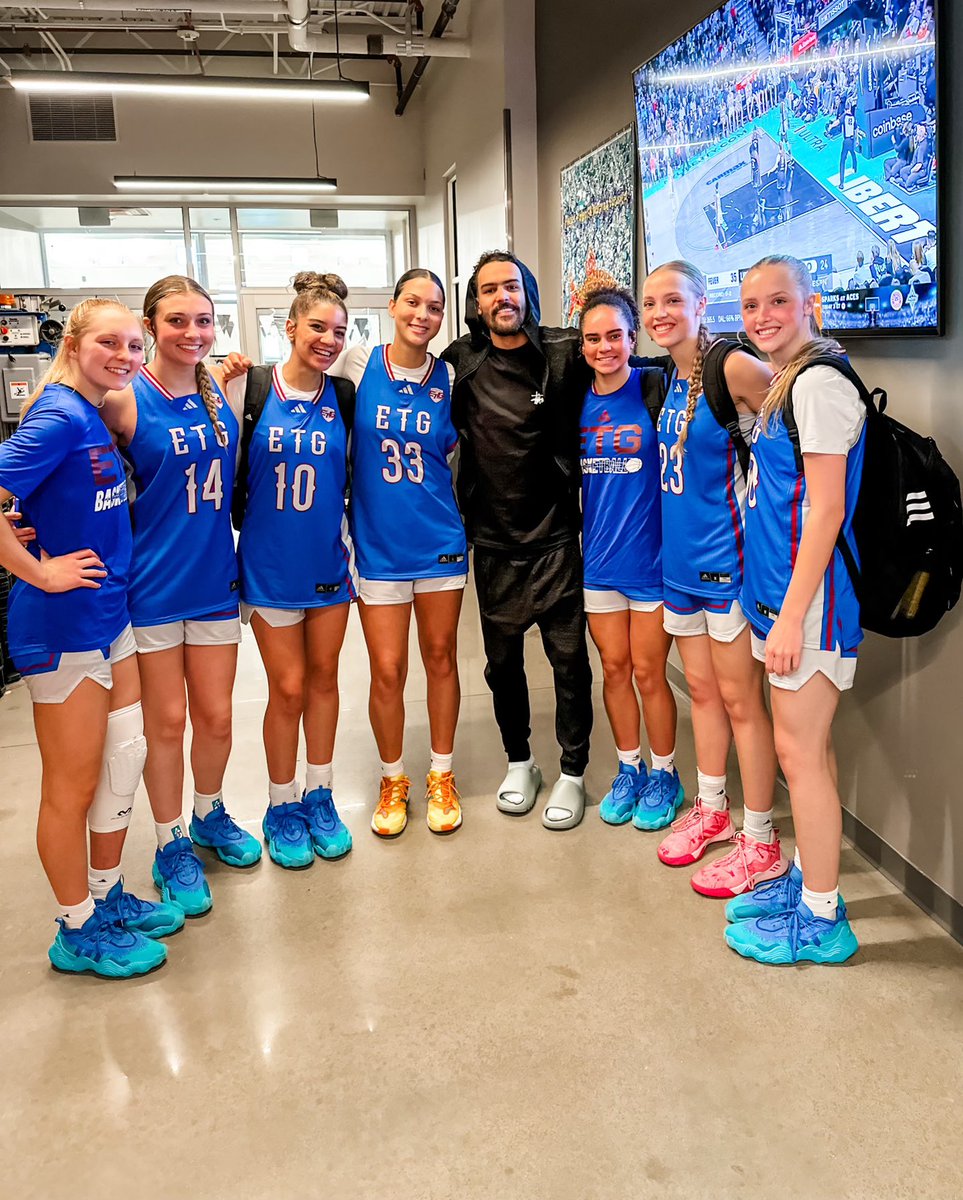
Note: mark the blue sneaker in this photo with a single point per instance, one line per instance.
(178, 875)
(660, 800)
(618, 803)
(102, 946)
(221, 833)
(285, 828)
(768, 899)
(330, 835)
(794, 936)
(141, 916)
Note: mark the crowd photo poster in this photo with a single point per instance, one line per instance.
(598, 221)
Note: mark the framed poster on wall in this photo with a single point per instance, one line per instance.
(598, 220)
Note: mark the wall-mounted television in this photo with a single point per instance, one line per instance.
(805, 127)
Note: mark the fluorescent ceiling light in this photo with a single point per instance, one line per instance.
(200, 183)
(195, 86)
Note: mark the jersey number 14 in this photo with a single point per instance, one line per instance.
(212, 489)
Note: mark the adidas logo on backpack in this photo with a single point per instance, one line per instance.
(908, 523)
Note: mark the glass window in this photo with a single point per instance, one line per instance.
(21, 259)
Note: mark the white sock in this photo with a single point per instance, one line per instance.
(441, 763)
(320, 775)
(821, 904)
(205, 805)
(528, 763)
(169, 832)
(758, 825)
(631, 758)
(101, 881)
(283, 793)
(663, 762)
(579, 779)
(712, 791)
(75, 915)
(394, 768)
(797, 861)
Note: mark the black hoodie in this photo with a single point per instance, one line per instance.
(518, 475)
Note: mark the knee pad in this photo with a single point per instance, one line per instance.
(125, 752)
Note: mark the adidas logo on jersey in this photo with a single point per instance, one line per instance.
(188, 404)
(407, 390)
(299, 408)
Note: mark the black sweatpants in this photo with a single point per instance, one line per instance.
(516, 592)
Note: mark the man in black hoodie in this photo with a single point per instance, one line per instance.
(516, 403)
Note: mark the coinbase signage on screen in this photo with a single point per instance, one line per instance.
(804, 127)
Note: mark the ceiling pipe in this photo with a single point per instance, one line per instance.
(448, 9)
(299, 15)
(242, 7)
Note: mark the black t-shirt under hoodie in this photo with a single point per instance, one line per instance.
(524, 492)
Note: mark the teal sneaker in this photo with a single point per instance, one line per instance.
(659, 801)
(794, 936)
(102, 946)
(330, 835)
(141, 916)
(219, 832)
(285, 829)
(768, 899)
(178, 875)
(618, 803)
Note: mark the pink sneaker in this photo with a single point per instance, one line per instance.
(748, 863)
(694, 833)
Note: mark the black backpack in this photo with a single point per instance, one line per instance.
(719, 398)
(654, 381)
(259, 380)
(908, 523)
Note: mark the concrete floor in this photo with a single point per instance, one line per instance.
(505, 1014)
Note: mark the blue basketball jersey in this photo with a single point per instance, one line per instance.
(70, 482)
(776, 512)
(703, 500)
(295, 550)
(184, 566)
(404, 518)
(621, 517)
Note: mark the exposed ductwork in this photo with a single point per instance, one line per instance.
(299, 14)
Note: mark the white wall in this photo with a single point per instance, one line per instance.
(462, 104)
(366, 147)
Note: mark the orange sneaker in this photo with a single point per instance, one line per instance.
(391, 815)
(444, 806)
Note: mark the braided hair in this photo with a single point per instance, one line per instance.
(697, 287)
(177, 285)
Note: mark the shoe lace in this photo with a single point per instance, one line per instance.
(221, 825)
(184, 864)
(624, 785)
(289, 822)
(737, 854)
(320, 807)
(105, 933)
(393, 791)
(654, 787)
(442, 790)
(695, 816)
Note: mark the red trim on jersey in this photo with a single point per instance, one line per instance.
(830, 602)
(282, 394)
(795, 535)
(394, 378)
(733, 503)
(155, 382)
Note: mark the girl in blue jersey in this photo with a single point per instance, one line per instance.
(622, 548)
(297, 569)
(703, 499)
(180, 439)
(801, 604)
(410, 542)
(70, 638)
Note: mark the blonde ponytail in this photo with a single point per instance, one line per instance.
(205, 389)
(703, 342)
